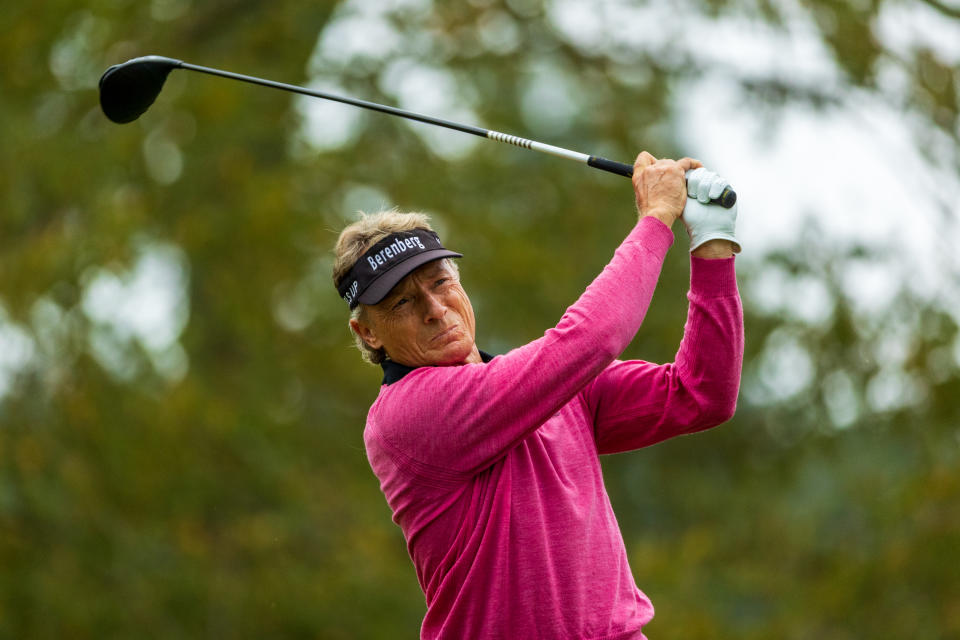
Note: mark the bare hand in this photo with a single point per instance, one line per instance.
(660, 187)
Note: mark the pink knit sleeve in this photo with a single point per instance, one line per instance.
(636, 404)
(449, 421)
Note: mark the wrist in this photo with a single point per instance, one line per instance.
(714, 249)
(662, 216)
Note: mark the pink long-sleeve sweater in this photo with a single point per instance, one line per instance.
(492, 470)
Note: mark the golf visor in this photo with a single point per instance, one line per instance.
(387, 262)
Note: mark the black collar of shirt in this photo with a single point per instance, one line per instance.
(394, 371)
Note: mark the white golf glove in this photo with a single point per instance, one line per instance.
(705, 221)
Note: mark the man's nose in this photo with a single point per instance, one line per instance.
(434, 307)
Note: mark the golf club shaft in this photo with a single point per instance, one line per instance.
(606, 165)
(726, 199)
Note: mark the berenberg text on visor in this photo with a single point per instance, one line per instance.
(397, 247)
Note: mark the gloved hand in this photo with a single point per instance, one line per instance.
(705, 221)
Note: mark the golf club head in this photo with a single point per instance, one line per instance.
(127, 90)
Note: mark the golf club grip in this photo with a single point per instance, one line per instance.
(726, 199)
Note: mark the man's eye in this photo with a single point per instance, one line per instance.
(441, 281)
(399, 303)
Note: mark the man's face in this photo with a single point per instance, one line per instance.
(426, 320)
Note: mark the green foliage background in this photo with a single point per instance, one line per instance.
(229, 495)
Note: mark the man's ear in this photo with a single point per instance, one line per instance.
(366, 333)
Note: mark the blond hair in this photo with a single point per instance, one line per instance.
(370, 229)
(354, 241)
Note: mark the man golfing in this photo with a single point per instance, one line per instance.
(490, 464)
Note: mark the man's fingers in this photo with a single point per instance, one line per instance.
(688, 164)
(717, 188)
(703, 193)
(644, 160)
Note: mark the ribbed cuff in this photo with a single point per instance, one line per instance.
(713, 278)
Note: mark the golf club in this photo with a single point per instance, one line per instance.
(127, 90)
